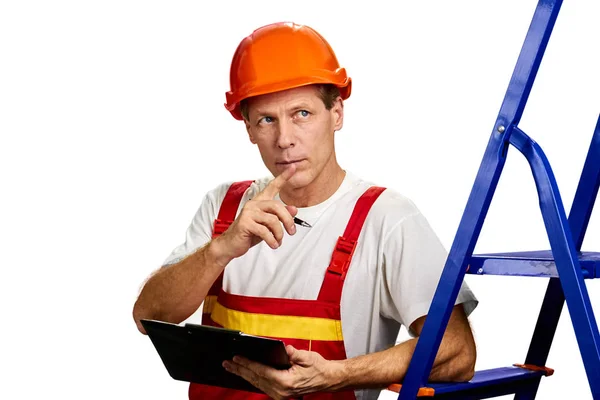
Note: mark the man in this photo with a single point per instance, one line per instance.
(315, 256)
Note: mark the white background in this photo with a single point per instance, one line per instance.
(113, 127)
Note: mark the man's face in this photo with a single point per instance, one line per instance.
(293, 126)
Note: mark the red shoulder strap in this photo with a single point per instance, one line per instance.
(229, 206)
(331, 290)
(226, 216)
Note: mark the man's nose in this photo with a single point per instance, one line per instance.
(285, 134)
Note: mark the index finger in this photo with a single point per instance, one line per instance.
(276, 184)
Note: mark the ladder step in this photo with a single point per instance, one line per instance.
(530, 263)
(485, 384)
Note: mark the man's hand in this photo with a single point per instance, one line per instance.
(260, 219)
(309, 373)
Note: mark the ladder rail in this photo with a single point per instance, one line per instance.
(543, 333)
(486, 181)
(565, 255)
(581, 210)
(528, 63)
(587, 190)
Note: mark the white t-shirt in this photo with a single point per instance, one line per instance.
(392, 277)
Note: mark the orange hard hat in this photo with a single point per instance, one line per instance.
(282, 56)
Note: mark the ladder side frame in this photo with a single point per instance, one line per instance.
(579, 217)
(565, 257)
(477, 206)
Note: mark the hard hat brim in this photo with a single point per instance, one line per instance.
(233, 101)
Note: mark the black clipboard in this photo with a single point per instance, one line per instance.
(195, 353)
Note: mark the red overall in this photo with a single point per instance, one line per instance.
(305, 324)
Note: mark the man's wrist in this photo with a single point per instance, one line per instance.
(374, 370)
(215, 253)
(338, 376)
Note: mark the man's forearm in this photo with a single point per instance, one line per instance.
(175, 292)
(455, 361)
(379, 370)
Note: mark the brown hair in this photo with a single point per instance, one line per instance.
(327, 93)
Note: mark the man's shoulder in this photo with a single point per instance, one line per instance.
(391, 207)
(390, 200)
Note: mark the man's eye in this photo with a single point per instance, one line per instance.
(304, 113)
(268, 120)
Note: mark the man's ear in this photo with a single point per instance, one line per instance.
(338, 114)
(250, 136)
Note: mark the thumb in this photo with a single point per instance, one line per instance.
(295, 355)
(291, 352)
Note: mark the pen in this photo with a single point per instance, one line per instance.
(302, 223)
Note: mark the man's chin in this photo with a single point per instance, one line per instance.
(299, 180)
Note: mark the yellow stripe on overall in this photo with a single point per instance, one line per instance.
(281, 326)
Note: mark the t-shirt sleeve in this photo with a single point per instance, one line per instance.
(200, 230)
(414, 259)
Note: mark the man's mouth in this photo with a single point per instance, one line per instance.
(288, 162)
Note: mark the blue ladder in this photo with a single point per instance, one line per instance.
(565, 264)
